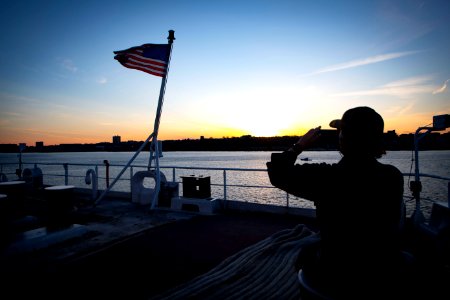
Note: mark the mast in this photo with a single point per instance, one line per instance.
(154, 146)
(153, 137)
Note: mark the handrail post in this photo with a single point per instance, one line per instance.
(225, 185)
(66, 173)
(131, 178)
(448, 194)
(106, 162)
(287, 199)
(173, 174)
(96, 174)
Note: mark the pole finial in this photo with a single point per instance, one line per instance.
(171, 36)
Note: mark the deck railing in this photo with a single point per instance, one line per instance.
(76, 173)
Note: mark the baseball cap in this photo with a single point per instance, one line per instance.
(361, 119)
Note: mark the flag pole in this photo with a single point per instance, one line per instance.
(153, 136)
(154, 147)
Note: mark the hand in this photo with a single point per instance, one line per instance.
(308, 139)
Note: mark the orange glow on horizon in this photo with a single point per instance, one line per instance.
(176, 130)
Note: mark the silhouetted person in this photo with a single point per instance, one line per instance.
(359, 206)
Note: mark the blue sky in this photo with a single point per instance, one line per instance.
(238, 67)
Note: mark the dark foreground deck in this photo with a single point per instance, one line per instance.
(119, 250)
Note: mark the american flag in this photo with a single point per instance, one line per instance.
(149, 58)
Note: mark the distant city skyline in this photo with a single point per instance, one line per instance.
(117, 139)
(328, 142)
(257, 67)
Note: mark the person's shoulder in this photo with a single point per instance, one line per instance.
(388, 168)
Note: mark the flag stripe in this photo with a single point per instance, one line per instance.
(145, 64)
(144, 69)
(149, 58)
(148, 61)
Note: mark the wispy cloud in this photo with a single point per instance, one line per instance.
(442, 89)
(102, 80)
(400, 88)
(68, 64)
(410, 81)
(404, 22)
(364, 61)
(401, 110)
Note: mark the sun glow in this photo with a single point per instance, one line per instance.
(255, 110)
(263, 124)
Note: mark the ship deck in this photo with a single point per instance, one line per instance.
(118, 250)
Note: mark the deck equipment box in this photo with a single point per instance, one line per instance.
(196, 186)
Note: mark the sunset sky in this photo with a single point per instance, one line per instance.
(262, 68)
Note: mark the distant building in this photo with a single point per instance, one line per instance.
(116, 139)
(39, 145)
